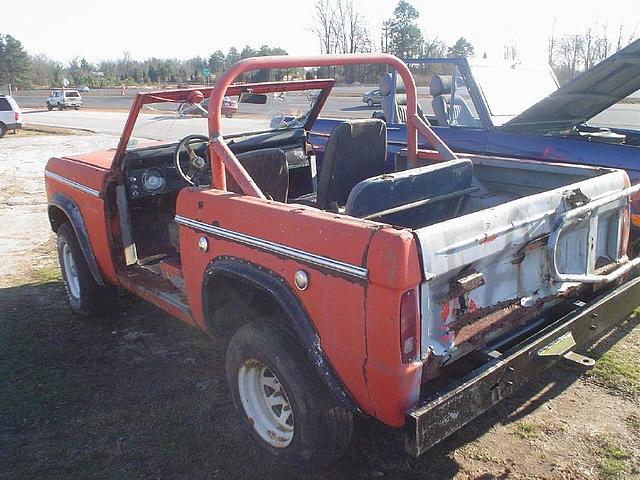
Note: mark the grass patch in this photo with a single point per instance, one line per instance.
(613, 459)
(618, 369)
(48, 275)
(527, 430)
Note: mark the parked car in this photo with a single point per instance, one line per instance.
(10, 114)
(372, 97)
(417, 297)
(519, 111)
(82, 88)
(62, 99)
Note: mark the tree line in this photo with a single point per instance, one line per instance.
(24, 71)
(340, 27)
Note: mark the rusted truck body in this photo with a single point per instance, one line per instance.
(346, 288)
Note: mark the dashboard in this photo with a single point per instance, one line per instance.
(151, 171)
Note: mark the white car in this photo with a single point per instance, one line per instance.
(10, 115)
(64, 99)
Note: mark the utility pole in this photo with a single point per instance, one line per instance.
(384, 40)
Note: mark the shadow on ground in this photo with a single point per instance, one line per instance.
(137, 394)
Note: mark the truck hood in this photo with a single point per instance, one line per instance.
(594, 91)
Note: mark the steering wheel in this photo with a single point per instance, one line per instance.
(194, 169)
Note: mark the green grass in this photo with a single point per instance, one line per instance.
(527, 430)
(613, 459)
(48, 275)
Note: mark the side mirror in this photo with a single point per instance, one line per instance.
(255, 98)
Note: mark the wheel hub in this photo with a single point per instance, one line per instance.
(266, 403)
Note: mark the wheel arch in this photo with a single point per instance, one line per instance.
(269, 291)
(63, 209)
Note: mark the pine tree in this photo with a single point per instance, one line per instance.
(15, 66)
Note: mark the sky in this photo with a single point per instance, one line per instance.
(105, 30)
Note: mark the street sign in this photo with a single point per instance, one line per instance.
(206, 72)
(65, 82)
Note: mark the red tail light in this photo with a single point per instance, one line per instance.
(17, 115)
(409, 314)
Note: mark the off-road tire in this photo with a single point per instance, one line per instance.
(76, 108)
(370, 103)
(60, 107)
(90, 297)
(3, 129)
(49, 106)
(321, 429)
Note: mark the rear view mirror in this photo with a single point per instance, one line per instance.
(256, 98)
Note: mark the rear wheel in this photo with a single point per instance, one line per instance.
(370, 103)
(60, 106)
(76, 108)
(285, 408)
(84, 293)
(3, 129)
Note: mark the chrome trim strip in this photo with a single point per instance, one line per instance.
(301, 255)
(71, 183)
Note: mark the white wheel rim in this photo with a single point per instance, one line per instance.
(265, 403)
(71, 272)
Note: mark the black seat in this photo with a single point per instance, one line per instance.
(355, 150)
(413, 198)
(268, 168)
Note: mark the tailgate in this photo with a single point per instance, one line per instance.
(491, 271)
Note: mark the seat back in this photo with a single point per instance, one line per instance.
(389, 191)
(440, 86)
(268, 168)
(355, 150)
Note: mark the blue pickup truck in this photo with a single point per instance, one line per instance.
(519, 112)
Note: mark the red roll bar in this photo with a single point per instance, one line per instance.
(220, 154)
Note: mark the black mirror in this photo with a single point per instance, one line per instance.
(256, 98)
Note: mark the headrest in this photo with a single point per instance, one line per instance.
(386, 85)
(440, 85)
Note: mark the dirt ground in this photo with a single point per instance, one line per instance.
(137, 394)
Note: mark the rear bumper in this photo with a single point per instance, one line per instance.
(434, 419)
(14, 126)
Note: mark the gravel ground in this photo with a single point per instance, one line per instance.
(23, 201)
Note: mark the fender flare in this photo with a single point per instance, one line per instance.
(74, 215)
(274, 285)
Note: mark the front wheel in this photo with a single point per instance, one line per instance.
(85, 295)
(49, 106)
(286, 409)
(60, 106)
(76, 108)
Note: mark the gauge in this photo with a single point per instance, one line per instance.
(153, 180)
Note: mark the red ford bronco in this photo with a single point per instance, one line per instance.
(419, 289)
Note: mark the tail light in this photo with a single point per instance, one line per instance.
(409, 314)
(17, 116)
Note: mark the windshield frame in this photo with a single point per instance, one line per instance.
(182, 95)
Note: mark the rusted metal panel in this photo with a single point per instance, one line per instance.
(489, 271)
(437, 417)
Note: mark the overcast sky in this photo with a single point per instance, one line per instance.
(104, 30)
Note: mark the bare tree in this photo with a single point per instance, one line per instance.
(325, 19)
(571, 50)
(552, 43)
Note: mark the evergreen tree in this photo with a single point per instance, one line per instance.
(462, 48)
(15, 66)
(406, 38)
